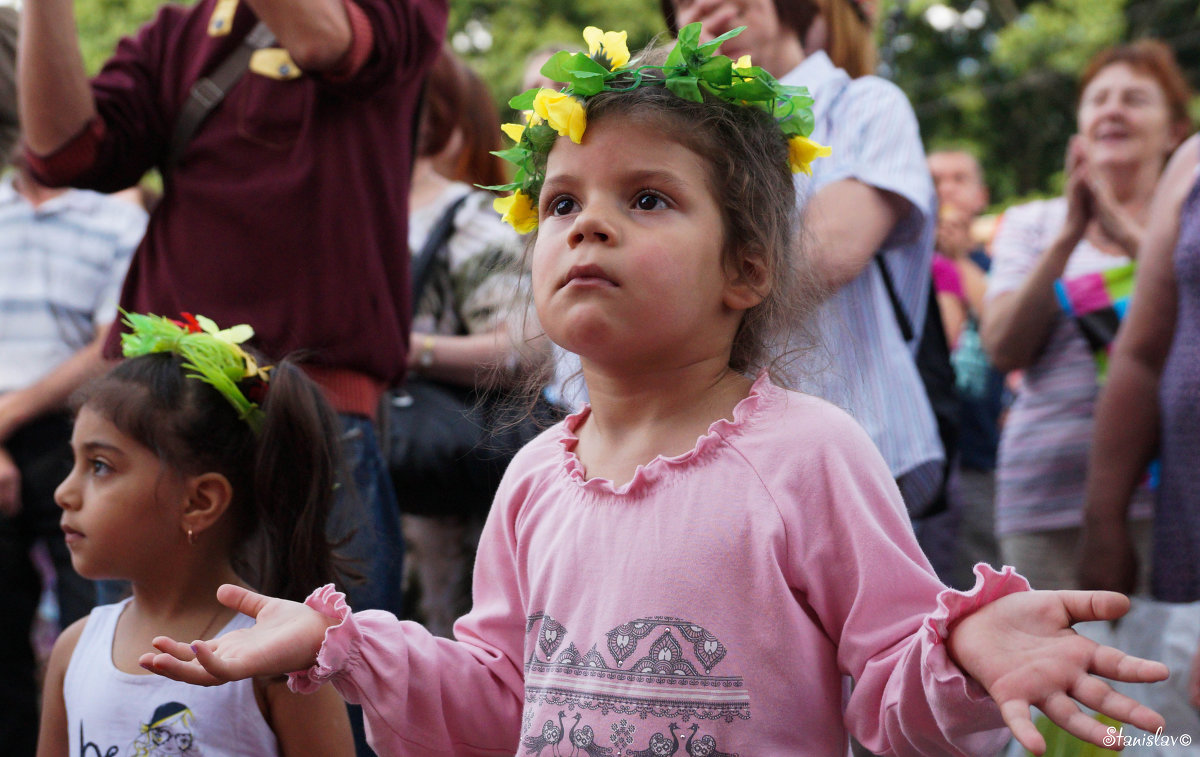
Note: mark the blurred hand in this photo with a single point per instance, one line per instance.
(285, 638)
(1080, 202)
(1112, 227)
(954, 232)
(1107, 559)
(10, 485)
(1022, 649)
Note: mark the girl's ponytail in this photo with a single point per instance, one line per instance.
(297, 463)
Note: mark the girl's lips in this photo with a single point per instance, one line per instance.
(71, 535)
(588, 276)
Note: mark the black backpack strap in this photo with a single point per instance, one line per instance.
(209, 91)
(906, 329)
(435, 242)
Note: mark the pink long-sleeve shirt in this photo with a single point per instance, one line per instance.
(712, 605)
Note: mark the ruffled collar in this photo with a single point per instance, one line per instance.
(763, 394)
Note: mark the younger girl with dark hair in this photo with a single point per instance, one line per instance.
(182, 483)
(694, 562)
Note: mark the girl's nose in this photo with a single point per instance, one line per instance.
(592, 225)
(66, 495)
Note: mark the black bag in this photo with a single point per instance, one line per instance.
(937, 376)
(447, 446)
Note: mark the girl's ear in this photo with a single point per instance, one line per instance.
(208, 497)
(748, 281)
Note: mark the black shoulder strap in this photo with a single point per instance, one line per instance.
(906, 329)
(435, 242)
(211, 90)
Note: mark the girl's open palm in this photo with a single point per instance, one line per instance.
(1022, 649)
(285, 637)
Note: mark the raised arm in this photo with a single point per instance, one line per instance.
(1016, 324)
(55, 99)
(1127, 420)
(316, 33)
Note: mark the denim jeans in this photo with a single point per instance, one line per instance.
(369, 518)
(368, 515)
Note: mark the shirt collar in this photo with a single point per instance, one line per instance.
(816, 72)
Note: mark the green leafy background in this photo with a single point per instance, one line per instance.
(1000, 80)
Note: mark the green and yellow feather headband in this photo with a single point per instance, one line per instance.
(211, 354)
(691, 70)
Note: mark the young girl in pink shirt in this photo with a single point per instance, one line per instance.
(696, 562)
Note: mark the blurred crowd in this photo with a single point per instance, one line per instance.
(356, 224)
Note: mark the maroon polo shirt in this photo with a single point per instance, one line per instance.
(288, 209)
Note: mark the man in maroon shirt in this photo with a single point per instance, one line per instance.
(286, 210)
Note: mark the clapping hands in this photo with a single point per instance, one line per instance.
(1022, 649)
(1092, 208)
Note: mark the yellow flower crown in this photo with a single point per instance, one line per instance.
(691, 70)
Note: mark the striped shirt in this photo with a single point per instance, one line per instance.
(865, 366)
(61, 268)
(1042, 462)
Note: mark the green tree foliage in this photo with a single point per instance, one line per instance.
(495, 36)
(1002, 80)
(995, 76)
(103, 22)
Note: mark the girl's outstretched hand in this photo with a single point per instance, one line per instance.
(1022, 649)
(285, 637)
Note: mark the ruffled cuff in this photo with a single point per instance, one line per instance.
(962, 707)
(337, 648)
(954, 605)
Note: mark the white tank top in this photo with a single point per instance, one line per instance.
(115, 714)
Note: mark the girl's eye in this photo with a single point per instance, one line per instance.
(649, 201)
(98, 467)
(560, 206)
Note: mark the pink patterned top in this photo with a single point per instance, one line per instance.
(712, 605)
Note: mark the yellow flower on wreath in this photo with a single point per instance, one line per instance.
(607, 48)
(513, 131)
(517, 210)
(802, 151)
(563, 112)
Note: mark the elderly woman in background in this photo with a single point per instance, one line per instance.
(1132, 114)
